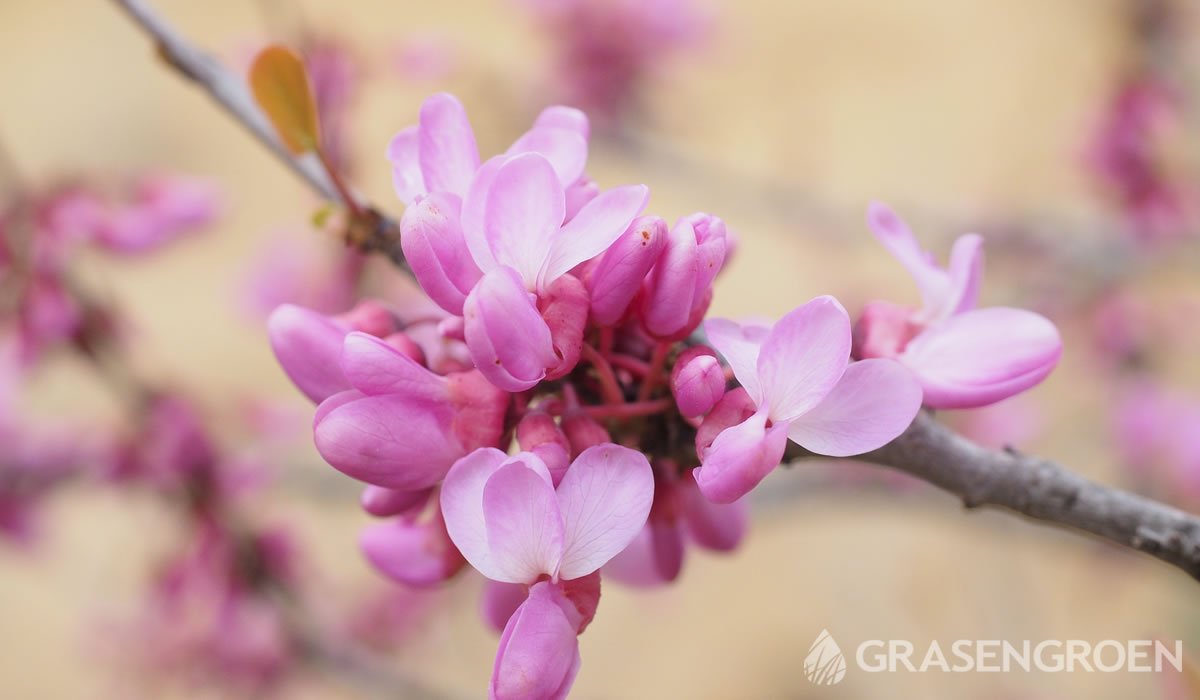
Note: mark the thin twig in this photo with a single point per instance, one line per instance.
(1041, 490)
(381, 234)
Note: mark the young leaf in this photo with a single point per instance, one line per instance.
(281, 88)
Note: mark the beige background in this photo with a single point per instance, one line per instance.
(934, 105)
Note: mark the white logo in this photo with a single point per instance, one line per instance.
(825, 664)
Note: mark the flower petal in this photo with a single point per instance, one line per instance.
(474, 212)
(406, 168)
(966, 272)
(388, 441)
(561, 117)
(565, 149)
(307, 345)
(894, 234)
(804, 357)
(525, 208)
(446, 145)
(524, 525)
(874, 402)
(415, 554)
(384, 503)
(596, 227)
(510, 342)
(983, 356)
(432, 239)
(740, 458)
(374, 367)
(462, 506)
(605, 498)
(739, 345)
(539, 650)
(653, 558)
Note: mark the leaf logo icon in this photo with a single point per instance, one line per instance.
(825, 664)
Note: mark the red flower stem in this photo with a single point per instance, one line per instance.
(608, 380)
(607, 338)
(629, 410)
(628, 362)
(657, 362)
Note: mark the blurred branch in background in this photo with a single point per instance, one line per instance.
(370, 232)
(1036, 488)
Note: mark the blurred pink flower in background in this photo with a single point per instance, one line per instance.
(1157, 433)
(425, 57)
(1127, 157)
(606, 52)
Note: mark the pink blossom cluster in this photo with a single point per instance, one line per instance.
(40, 232)
(212, 610)
(1126, 156)
(607, 50)
(570, 330)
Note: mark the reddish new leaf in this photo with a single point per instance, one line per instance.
(281, 88)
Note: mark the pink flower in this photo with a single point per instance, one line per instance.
(1124, 153)
(494, 242)
(525, 247)
(401, 426)
(1157, 433)
(798, 376)
(964, 357)
(606, 50)
(514, 526)
(163, 208)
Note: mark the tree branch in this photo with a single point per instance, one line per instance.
(374, 232)
(1041, 490)
(1033, 487)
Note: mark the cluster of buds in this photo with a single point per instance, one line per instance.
(570, 325)
(215, 608)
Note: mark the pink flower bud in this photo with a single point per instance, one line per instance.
(538, 656)
(680, 285)
(415, 554)
(406, 346)
(619, 273)
(509, 340)
(383, 503)
(404, 426)
(307, 345)
(697, 381)
(565, 310)
(432, 239)
(582, 432)
(370, 316)
(538, 433)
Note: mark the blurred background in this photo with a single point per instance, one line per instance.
(785, 119)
